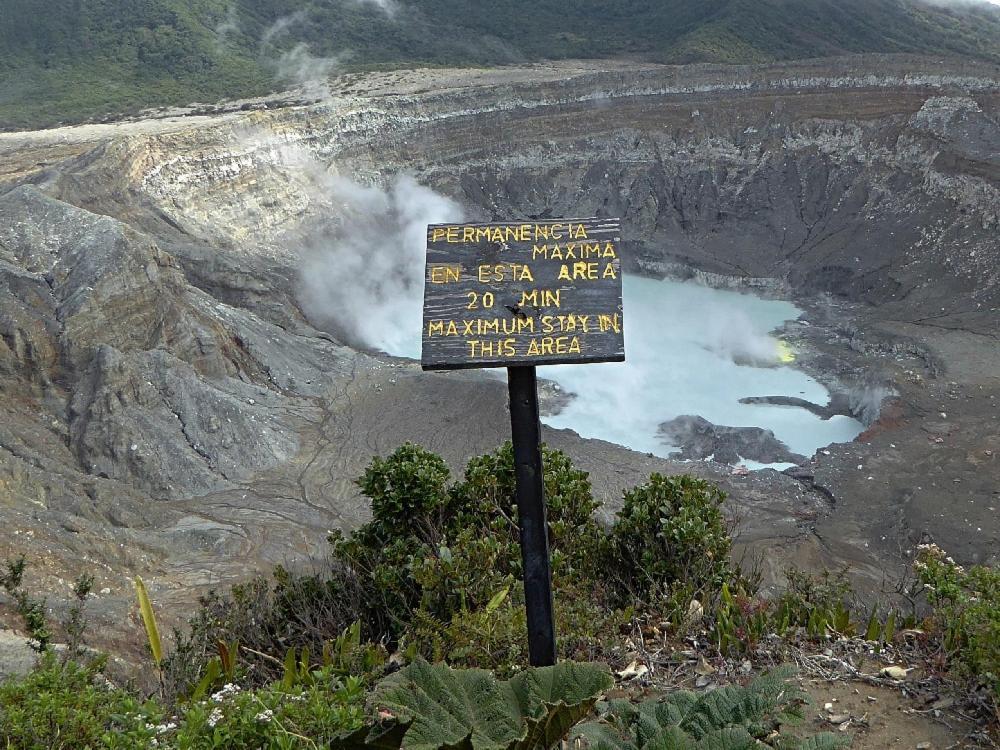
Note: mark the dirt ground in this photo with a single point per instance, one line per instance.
(879, 717)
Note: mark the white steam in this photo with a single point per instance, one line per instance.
(298, 66)
(367, 284)
(301, 68)
(389, 7)
(226, 27)
(282, 26)
(729, 332)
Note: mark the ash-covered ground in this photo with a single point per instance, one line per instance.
(177, 404)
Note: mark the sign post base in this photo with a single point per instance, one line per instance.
(530, 496)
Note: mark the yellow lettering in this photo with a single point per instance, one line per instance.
(542, 251)
(438, 234)
(557, 230)
(445, 274)
(564, 273)
(609, 272)
(452, 234)
(581, 232)
(609, 250)
(542, 231)
(468, 234)
(547, 325)
(452, 329)
(574, 346)
(533, 348)
(435, 327)
(609, 323)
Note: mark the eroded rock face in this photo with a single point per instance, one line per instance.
(169, 410)
(699, 439)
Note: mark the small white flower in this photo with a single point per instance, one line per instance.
(265, 716)
(215, 717)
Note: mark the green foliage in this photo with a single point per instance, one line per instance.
(68, 60)
(817, 603)
(277, 716)
(63, 707)
(437, 569)
(729, 718)
(149, 622)
(446, 579)
(30, 609)
(816, 606)
(75, 623)
(442, 707)
(671, 540)
(966, 612)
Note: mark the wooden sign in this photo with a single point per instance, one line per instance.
(523, 294)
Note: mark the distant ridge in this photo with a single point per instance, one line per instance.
(70, 60)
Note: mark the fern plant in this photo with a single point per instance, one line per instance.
(730, 718)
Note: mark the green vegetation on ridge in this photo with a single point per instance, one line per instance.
(67, 61)
(434, 574)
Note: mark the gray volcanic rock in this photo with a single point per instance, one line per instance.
(148, 298)
(700, 439)
(150, 419)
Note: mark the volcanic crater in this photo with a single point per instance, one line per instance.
(170, 409)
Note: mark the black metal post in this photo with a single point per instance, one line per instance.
(527, 437)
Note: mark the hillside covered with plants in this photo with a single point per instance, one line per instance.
(66, 60)
(414, 635)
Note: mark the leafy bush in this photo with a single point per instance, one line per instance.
(30, 609)
(966, 611)
(442, 707)
(313, 714)
(60, 706)
(438, 568)
(729, 718)
(671, 540)
(448, 579)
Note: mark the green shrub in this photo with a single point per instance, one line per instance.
(442, 707)
(60, 706)
(731, 718)
(278, 716)
(671, 540)
(966, 611)
(427, 569)
(431, 579)
(30, 609)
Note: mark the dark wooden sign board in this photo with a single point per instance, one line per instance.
(516, 295)
(523, 294)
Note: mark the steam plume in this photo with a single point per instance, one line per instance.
(367, 284)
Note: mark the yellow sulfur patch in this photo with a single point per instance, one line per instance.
(785, 352)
